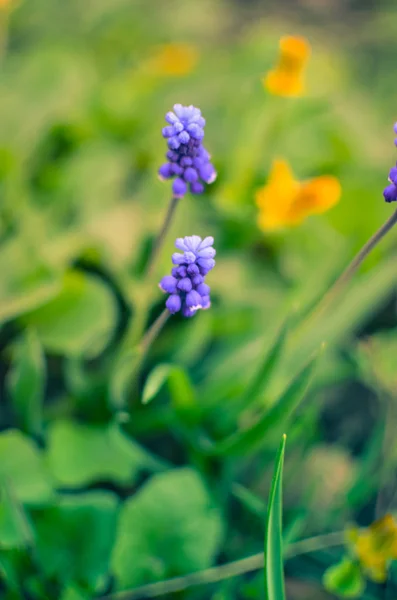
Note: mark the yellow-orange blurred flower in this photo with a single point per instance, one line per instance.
(288, 77)
(285, 202)
(173, 60)
(375, 546)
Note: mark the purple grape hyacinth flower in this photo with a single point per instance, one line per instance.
(188, 161)
(186, 285)
(390, 192)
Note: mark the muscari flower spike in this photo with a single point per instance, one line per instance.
(188, 161)
(390, 192)
(186, 285)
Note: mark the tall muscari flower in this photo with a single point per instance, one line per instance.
(188, 161)
(390, 192)
(286, 202)
(287, 78)
(186, 285)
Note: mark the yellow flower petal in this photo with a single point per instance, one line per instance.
(285, 202)
(315, 197)
(275, 198)
(173, 60)
(376, 546)
(287, 78)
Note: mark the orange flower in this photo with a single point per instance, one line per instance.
(173, 60)
(285, 202)
(375, 547)
(287, 79)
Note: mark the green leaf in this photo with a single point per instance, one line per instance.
(80, 320)
(28, 285)
(274, 569)
(80, 454)
(73, 593)
(15, 529)
(345, 579)
(180, 387)
(74, 538)
(266, 368)
(170, 527)
(245, 441)
(22, 468)
(25, 383)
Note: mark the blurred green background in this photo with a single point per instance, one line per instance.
(112, 478)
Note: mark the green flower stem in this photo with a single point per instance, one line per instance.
(144, 347)
(222, 572)
(153, 332)
(161, 236)
(347, 275)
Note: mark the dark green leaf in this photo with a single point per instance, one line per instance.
(74, 538)
(15, 528)
(26, 382)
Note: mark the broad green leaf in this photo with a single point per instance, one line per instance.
(80, 454)
(26, 382)
(80, 320)
(15, 529)
(28, 285)
(170, 527)
(180, 387)
(22, 468)
(74, 538)
(274, 565)
(345, 579)
(245, 441)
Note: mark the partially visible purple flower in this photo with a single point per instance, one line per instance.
(188, 160)
(186, 285)
(390, 192)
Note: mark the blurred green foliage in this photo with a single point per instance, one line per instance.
(116, 472)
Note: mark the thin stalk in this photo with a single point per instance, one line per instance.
(153, 332)
(222, 572)
(144, 347)
(348, 273)
(161, 236)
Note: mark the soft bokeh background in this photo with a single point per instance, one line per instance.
(99, 491)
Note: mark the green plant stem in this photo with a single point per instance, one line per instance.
(153, 332)
(158, 244)
(348, 273)
(222, 572)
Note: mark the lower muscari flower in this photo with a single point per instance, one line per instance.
(188, 161)
(186, 285)
(286, 202)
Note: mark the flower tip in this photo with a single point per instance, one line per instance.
(296, 46)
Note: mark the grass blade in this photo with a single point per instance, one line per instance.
(274, 566)
(243, 442)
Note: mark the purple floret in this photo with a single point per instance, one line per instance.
(188, 160)
(186, 287)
